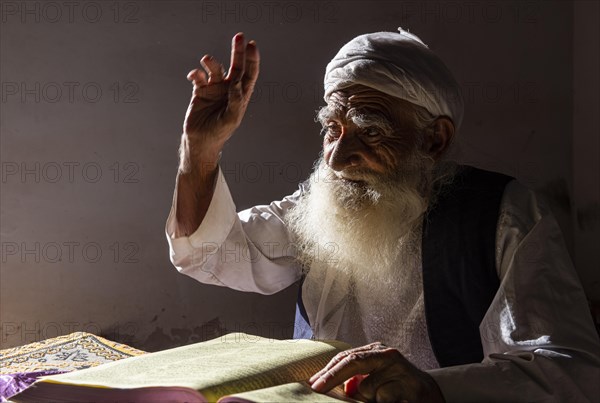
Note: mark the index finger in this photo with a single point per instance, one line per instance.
(251, 67)
(236, 68)
(356, 363)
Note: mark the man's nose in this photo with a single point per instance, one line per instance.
(347, 152)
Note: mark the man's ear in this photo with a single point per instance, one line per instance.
(439, 139)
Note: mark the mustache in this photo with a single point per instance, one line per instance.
(351, 176)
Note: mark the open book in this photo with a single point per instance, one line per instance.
(235, 367)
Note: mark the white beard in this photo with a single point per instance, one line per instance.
(360, 229)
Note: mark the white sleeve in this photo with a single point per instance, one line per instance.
(247, 251)
(538, 339)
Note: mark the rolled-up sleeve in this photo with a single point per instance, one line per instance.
(538, 338)
(247, 251)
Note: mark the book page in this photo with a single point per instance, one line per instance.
(229, 364)
(62, 393)
(289, 392)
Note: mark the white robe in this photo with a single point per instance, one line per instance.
(538, 339)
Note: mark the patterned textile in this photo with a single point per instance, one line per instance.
(21, 366)
(64, 353)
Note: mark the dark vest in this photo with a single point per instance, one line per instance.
(459, 267)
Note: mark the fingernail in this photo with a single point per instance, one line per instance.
(252, 42)
(318, 385)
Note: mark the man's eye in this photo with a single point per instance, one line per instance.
(372, 133)
(332, 130)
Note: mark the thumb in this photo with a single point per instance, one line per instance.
(352, 384)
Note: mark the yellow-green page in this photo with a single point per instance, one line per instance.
(297, 392)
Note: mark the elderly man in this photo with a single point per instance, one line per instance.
(458, 277)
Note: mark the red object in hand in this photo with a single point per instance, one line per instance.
(351, 385)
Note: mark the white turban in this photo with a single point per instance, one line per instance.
(398, 64)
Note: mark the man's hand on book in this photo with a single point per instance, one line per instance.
(391, 377)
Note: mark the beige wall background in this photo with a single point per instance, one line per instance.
(93, 98)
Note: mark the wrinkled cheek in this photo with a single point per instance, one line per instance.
(388, 162)
(397, 157)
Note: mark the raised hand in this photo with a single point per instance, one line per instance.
(390, 376)
(217, 107)
(219, 101)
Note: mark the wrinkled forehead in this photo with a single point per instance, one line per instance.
(365, 101)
